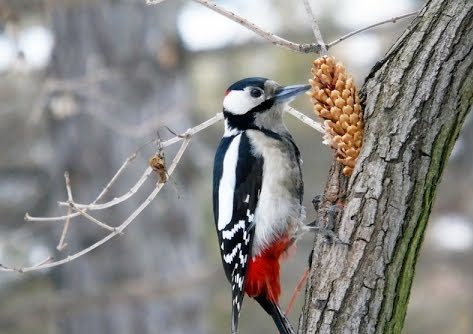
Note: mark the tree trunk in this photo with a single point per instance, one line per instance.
(123, 61)
(416, 100)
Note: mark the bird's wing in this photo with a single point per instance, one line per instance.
(236, 160)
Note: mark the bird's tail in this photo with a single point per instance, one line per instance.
(272, 308)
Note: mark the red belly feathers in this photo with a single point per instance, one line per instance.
(263, 271)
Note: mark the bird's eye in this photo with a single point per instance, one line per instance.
(255, 92)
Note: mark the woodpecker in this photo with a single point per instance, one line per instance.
(257, 193)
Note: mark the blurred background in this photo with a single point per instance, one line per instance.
(84, 83)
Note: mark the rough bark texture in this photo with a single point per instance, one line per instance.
(416, 99)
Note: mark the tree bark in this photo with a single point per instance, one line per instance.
(415, 101)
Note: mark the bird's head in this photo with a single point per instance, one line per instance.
(257, 103)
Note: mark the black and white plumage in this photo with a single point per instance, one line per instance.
(235, 225)
(257, 192)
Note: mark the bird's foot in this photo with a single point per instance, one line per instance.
(327, 231)
(329, 234)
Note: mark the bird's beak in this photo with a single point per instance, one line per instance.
(288, 93)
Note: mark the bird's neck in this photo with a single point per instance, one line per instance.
(270, 120)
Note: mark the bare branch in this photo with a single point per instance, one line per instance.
(99, 197)
(118, 173)
(315, 28)
(61, 244)
(306, 120)
(42, 262)
(117, 230)
(192, 131)
(391, 20)
(92, 219)
(68, 186)
(154, 2)
(117, 200)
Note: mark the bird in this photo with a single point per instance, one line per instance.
(257, 193)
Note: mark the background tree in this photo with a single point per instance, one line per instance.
(117, 67)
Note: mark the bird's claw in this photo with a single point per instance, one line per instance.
(329, 234)
(332, 212)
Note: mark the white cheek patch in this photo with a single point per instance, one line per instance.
(238, 102)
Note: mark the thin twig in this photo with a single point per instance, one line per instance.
(391, 20)
(92, 219)
(119, 172)
(192, 131)
(117, 200)
(118, 230)
(306, 120)
(61, 244)
(99, 197)
(315, 28)
(42, 262)
(154, 2)
(68, 186)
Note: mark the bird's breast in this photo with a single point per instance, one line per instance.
(279, 211)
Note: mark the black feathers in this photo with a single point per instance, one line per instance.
(236, 236)
(248, 82)
(282, 323)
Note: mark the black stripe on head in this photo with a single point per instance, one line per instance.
(248, 82)
(246, 121)
(263, 106)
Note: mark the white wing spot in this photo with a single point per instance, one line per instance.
(243, 259)
(250, 216)
(228, 234)
(236, 303)
(229, 257)
(246, 237)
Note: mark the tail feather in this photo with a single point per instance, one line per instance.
(235, 316)
(236, 305)
(280, 320)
